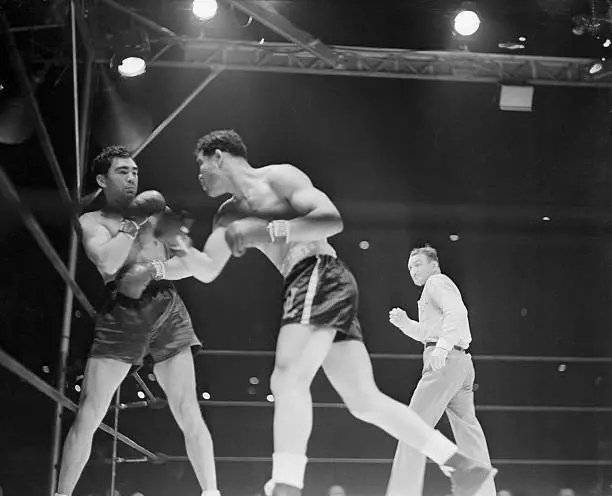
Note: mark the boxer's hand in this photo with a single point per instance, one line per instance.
(133, 280)
(246, 233)
(171, 225)
(180, 245)
(398, 318)
(437, 358)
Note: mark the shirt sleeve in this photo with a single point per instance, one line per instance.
(454, 313)
(415, 330)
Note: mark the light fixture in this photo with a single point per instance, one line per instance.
(204, 9)
(206, 395)
(596, 67)
(270, 398)
(364, 245)
(131, 49)
(141, 395)
(466, 22)
(132, 67)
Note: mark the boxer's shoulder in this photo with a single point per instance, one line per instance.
(99, 220)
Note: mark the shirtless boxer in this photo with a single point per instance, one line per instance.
(277, 210)
(143, 314)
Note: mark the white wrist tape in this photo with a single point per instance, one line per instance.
(160, 269)
(279, 230)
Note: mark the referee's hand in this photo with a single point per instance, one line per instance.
(437, 358)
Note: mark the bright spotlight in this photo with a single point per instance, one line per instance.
(466, 23)
(132, 67)
(206, 395)
(204, 9)
(141, 395)
(596, 67)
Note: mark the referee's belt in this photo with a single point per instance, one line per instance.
(429, 344)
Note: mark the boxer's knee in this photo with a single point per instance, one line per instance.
(289, 378)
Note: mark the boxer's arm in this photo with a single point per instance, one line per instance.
(318, 217)
(176, 268)
(106, 251)
(207, 264)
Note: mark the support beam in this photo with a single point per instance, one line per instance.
(457, 66)
(211, 77)
(10, 193)
(30, 377)
(41, 128)
(145, 21)
(270, 18)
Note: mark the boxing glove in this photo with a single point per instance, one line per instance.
(146, 204)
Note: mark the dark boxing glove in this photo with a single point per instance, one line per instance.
(134, 279)
(146, 204)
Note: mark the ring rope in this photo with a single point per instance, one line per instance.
(161, 403)
(407, 356)
(371, 461)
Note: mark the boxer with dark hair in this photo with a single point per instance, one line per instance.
(277, 210)
(130, 242)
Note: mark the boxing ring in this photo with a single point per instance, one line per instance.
(81, 116)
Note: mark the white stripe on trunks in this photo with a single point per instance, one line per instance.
(310, 293)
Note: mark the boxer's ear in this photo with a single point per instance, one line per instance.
(101, 180)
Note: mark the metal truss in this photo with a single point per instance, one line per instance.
(460, 66)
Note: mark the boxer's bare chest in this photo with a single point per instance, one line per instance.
(265, 203)
(262, 202)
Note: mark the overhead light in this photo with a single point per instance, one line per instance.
(466, 22)
(132, 67)
(206, 395)
(131, 51)
(596, 67)
(204, 9)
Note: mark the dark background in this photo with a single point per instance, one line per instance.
(407, 162)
